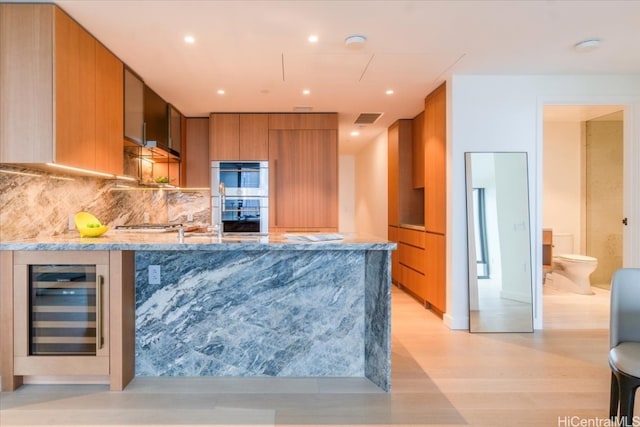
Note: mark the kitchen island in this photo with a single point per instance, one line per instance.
(253, 306)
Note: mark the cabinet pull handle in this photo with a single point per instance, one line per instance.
(99, 285)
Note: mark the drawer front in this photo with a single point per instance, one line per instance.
(414, 281)
(411, 237)
(412, 257)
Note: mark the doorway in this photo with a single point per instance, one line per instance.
(582, 203)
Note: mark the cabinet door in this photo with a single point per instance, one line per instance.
(436, 287)
(27, 128)
(155, 118)
(417, 152)
(435, 164)
(195, 159)
(293, 121)
(303, 181)
(75, 93)
(224, 136)
(133, 107)
(175, 129)
(253, 137)
(109, 112)
(393, 174)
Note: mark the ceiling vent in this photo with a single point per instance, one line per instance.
(367, 118)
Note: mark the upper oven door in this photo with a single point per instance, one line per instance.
(241, 178)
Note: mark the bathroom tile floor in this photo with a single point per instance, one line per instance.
(440, 378)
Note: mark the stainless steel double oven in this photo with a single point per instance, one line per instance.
(240, 196)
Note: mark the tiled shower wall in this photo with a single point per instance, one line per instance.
(34, 203)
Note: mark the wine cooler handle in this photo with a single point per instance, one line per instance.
(99, 284)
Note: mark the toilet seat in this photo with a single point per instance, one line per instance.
(576, 258)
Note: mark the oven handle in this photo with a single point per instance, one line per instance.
(275, 192)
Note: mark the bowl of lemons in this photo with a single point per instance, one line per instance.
(89, 226)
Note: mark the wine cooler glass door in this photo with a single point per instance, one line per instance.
(65, 310)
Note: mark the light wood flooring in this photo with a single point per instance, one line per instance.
(440, 378)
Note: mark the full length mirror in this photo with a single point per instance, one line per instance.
(500, 279)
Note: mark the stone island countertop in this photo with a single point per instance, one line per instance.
(129, 241)
(254, 305)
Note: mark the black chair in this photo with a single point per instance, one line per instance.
(624, 353)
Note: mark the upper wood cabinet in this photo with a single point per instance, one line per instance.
(435, 185)
(303, 180)
(73, 115)
(195, 159)
(291, 121)
(235, 136)
(109, 111)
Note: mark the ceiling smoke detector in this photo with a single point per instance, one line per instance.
(355, 41)
(587, 45)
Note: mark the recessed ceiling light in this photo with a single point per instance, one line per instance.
(389, 92)
(220, 91)
(313, 38)
(189, 39)
(587, 45)
(306, 91)
(355, 133)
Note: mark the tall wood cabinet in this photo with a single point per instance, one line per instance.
(435, 189)
(235, 136)
(303, 180)
(417, 202)
(73, 116)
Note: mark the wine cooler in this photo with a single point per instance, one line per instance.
(65, 310)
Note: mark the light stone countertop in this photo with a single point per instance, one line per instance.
(131, 241)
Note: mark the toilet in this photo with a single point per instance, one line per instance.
(570, 271)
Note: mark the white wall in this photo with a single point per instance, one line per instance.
(562, 184)
(371, 188)
(504, 113)
(346, 194)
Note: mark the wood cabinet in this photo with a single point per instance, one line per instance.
(195, 159)
(412, 259)
(235, 136)
(308, 121)
(109, 111)
(175, 129)
(113, 297)
(72, 115)
(435, 161)
(417, 151)
(303, 180)
(393, 175)
(392, 236)
(417, 197)
(435, 272)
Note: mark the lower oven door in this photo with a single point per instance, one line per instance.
(243, 214)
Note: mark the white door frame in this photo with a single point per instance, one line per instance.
(631, 183)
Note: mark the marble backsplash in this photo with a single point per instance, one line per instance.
(36, 203)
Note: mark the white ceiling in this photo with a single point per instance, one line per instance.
(258, 50)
